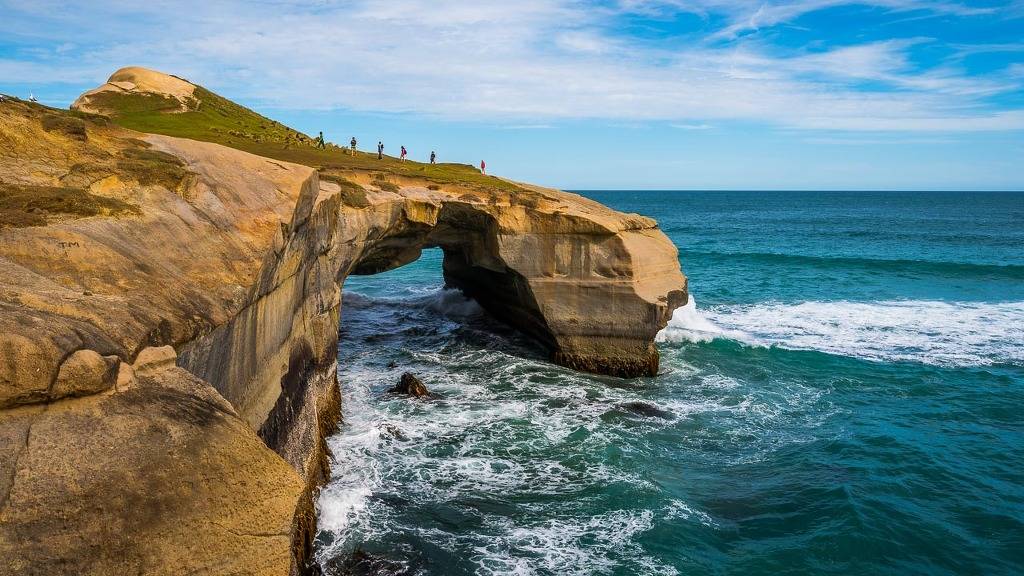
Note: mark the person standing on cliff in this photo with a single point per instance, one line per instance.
(352, 146)
(401, 156)
(433, 157)
(483, 167)
(320, 144)
(380, 150)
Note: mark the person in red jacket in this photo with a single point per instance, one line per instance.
(483, 167)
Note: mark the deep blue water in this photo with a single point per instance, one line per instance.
(846, 396)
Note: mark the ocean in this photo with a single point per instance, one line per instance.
(844, 394)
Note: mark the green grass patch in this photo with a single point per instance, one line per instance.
(208, 117)
(22, 206)
(213, 118)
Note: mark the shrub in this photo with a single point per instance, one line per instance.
(22, 206)
(152, 167)
(352, 194)
(67, 125)
(380, 182)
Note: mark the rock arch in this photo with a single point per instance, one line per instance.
(170, 337)
(592, 285)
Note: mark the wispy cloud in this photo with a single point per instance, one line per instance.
(526, 127)
(522, 64)
(753, 15)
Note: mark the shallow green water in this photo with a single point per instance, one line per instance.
(845, 397)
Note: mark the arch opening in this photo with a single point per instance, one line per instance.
(466, 240)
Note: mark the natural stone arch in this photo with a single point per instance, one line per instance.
(210, 315)
(592, 285)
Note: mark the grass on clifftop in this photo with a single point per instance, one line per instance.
(213, 118)
(79, 150)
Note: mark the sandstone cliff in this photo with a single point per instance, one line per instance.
(169, 313)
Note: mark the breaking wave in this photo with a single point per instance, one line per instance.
(930, 332)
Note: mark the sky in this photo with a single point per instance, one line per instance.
(610, 94)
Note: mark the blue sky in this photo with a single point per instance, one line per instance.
(639, 94)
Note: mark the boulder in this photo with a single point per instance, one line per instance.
(83, 373)
(410, 385)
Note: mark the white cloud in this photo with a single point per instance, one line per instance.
(523, 63)
(585, 42)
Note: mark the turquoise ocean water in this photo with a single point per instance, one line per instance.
(844, 395)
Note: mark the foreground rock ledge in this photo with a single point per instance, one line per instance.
(168, 371)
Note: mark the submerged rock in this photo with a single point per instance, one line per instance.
(362, 563)
(391, 430)
(645, 409)
(410, 385)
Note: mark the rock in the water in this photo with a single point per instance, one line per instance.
(645, 409)
(411, 385)
(362, 563)
(392, 431)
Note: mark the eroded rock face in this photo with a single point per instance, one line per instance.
(113, 459)
(168, 370)
(162, 478)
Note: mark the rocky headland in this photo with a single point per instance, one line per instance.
(171, 268)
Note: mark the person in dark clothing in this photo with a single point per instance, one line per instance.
(320, 141)
(380, 150)
(352, 146)
(433, 157)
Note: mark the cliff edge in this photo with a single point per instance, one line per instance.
(170, 306)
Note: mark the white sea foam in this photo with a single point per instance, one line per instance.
(680, 509)
(505, 423)
(343, 505)
(689, 324)
(452, 303)
(580, 546)
(931, 332)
